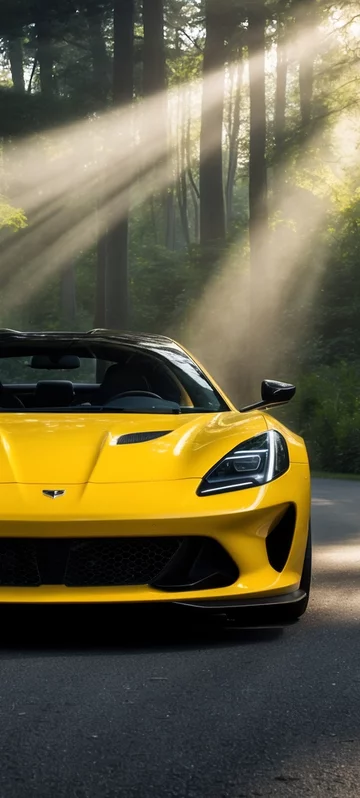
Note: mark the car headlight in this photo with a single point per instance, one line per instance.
(255, 462)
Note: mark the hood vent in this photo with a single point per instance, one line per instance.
(141, 437)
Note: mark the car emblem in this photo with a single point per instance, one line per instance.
(53, 494)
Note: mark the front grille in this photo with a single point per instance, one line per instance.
(18, 564)
(127, 561)
(90, 562)
(167, 563)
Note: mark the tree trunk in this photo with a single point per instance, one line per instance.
(181, 191)
(68, 297)
(258, 205)
(280, 94)
(258, 199)
(99, 56)
(117, 300)
(194, 191)
(212, 206)
(234, 130)
(101, 261)
(154, 84)
(45, 57)
(154, 73)
(306, 17)
(170, 220)
(15, 51)
(181, 188)
(101, 88)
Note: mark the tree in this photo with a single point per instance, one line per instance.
(236, 75)
(155, 85)
(15, 52)
(117, 300)
(306, 17)
(101, 80)
(280, 90)
(258, 199)
(45, 57)
(212, 207)
(101, 66)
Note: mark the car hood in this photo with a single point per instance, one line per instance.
(56, 449)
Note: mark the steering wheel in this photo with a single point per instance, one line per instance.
(134, 393)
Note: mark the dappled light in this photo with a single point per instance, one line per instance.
(336, 587)
(81, 183)
(235, 301)
(209, 191)
(179, 545)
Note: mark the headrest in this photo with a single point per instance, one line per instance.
(54, 393)
(121, 378)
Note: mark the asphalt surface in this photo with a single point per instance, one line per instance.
(90, 708)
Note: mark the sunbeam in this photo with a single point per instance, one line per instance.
(294, 253)
(87, 168)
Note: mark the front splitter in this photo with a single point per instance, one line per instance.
(285, 599)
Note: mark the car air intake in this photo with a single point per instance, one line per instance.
(279, 540)
(166, 563)
(141, 437)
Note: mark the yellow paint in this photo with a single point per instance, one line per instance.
(146, 489)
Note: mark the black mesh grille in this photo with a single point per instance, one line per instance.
(140, 437)
(124, 561)
(83, 562)
(18, 564)
(167, 563)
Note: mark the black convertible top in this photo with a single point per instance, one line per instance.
(95, 340)
(146, 340)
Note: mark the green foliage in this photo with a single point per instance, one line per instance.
(13, 218)
(326, 412)
(317, 342)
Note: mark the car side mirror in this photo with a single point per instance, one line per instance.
(273, 393)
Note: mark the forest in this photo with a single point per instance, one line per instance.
(192, 168)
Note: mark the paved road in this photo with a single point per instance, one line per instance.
(90, 711)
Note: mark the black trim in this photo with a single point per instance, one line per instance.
(245, 603)
(140, 437)
(167, 563)
(280, 539)
(200, 563)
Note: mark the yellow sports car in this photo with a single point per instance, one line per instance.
(128, 476)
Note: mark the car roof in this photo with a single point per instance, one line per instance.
(115, 338)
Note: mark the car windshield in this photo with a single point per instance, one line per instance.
(100, 377)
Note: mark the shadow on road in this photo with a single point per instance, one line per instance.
(89, 629)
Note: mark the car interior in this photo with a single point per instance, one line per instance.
(138, 380)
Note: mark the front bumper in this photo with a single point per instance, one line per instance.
(240, 523)
(255, 603)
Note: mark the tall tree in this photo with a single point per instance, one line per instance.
(306, 17)
(154, 74)
(45, 59)
(45, 55)
(155, 84)
(258, 194)
(101, 82)
(101, 67)
(117, 301)
(236, 71)
(212, 205)
(15, 52)
(258, 199)
(280, 91)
